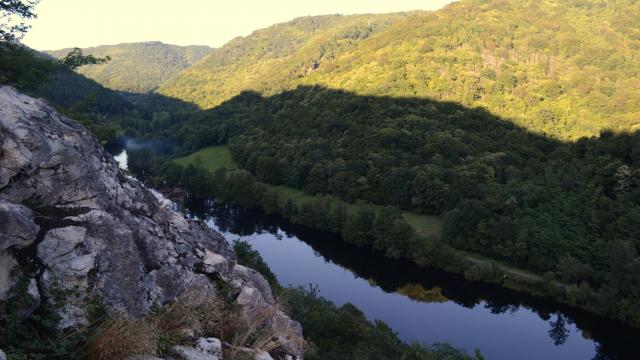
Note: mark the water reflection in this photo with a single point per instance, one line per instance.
(502, 323)
(559, 332)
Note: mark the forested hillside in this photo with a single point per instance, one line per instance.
(138, 67)
(565, 209)
(564, 68)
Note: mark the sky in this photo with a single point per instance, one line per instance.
(85, 23)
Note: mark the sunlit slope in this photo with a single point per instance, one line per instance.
(564, 68)
(138, 67)
(275, 58)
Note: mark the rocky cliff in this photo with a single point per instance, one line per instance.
(71, 220)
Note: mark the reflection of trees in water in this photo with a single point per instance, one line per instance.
(501, 308)
(395, 276)
(420, 293)
(559, 332)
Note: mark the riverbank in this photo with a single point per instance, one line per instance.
(214, 158)
(421, 304)
(397, 234)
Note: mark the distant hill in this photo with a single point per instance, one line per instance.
(563, 68)
(138, 67)
(275, 58)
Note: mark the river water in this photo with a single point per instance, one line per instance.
(420, 304)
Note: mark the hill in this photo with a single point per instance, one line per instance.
(138, 67)
(563, 68)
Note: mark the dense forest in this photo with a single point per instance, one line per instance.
(565, 209)
(564, 68)
(138, 67)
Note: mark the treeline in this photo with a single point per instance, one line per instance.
(342, 332)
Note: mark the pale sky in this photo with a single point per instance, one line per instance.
(85, 23)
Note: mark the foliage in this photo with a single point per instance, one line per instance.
(75, 58)
(107, 113)
(28, 330)
(345, 333)
(249, 257)
(13, 13)
(20, 67)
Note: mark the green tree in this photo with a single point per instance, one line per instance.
(13, 14)
(75, 58)
(358, 227)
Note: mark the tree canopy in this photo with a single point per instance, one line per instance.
(13, 14)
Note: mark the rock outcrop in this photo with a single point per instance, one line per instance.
(70, 219)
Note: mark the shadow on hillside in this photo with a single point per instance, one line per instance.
(309, 125)
(68, 88)
(326, 108)
(492, 158)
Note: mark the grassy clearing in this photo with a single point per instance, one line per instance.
(212, 158)
(423, 225)
(215, 157)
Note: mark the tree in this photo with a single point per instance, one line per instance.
(357, 229)
(13, 13)
(75, 58)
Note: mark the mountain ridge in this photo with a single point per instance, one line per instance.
(566, 69)
(138, 67)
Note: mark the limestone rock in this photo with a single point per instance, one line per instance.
(211, 346)
(8, 266)
(89, 228)
(17, 227)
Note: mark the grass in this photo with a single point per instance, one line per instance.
(212, 158)
(423, 225)
(215, 157)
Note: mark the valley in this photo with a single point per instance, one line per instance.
(457, 183)
(421, 304)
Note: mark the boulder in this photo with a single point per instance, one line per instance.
(17, 227)
(202, 349)
(211, 346)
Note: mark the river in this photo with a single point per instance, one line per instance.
(421, 304)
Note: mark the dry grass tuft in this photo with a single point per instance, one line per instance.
(118, 338)
(242, 331)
